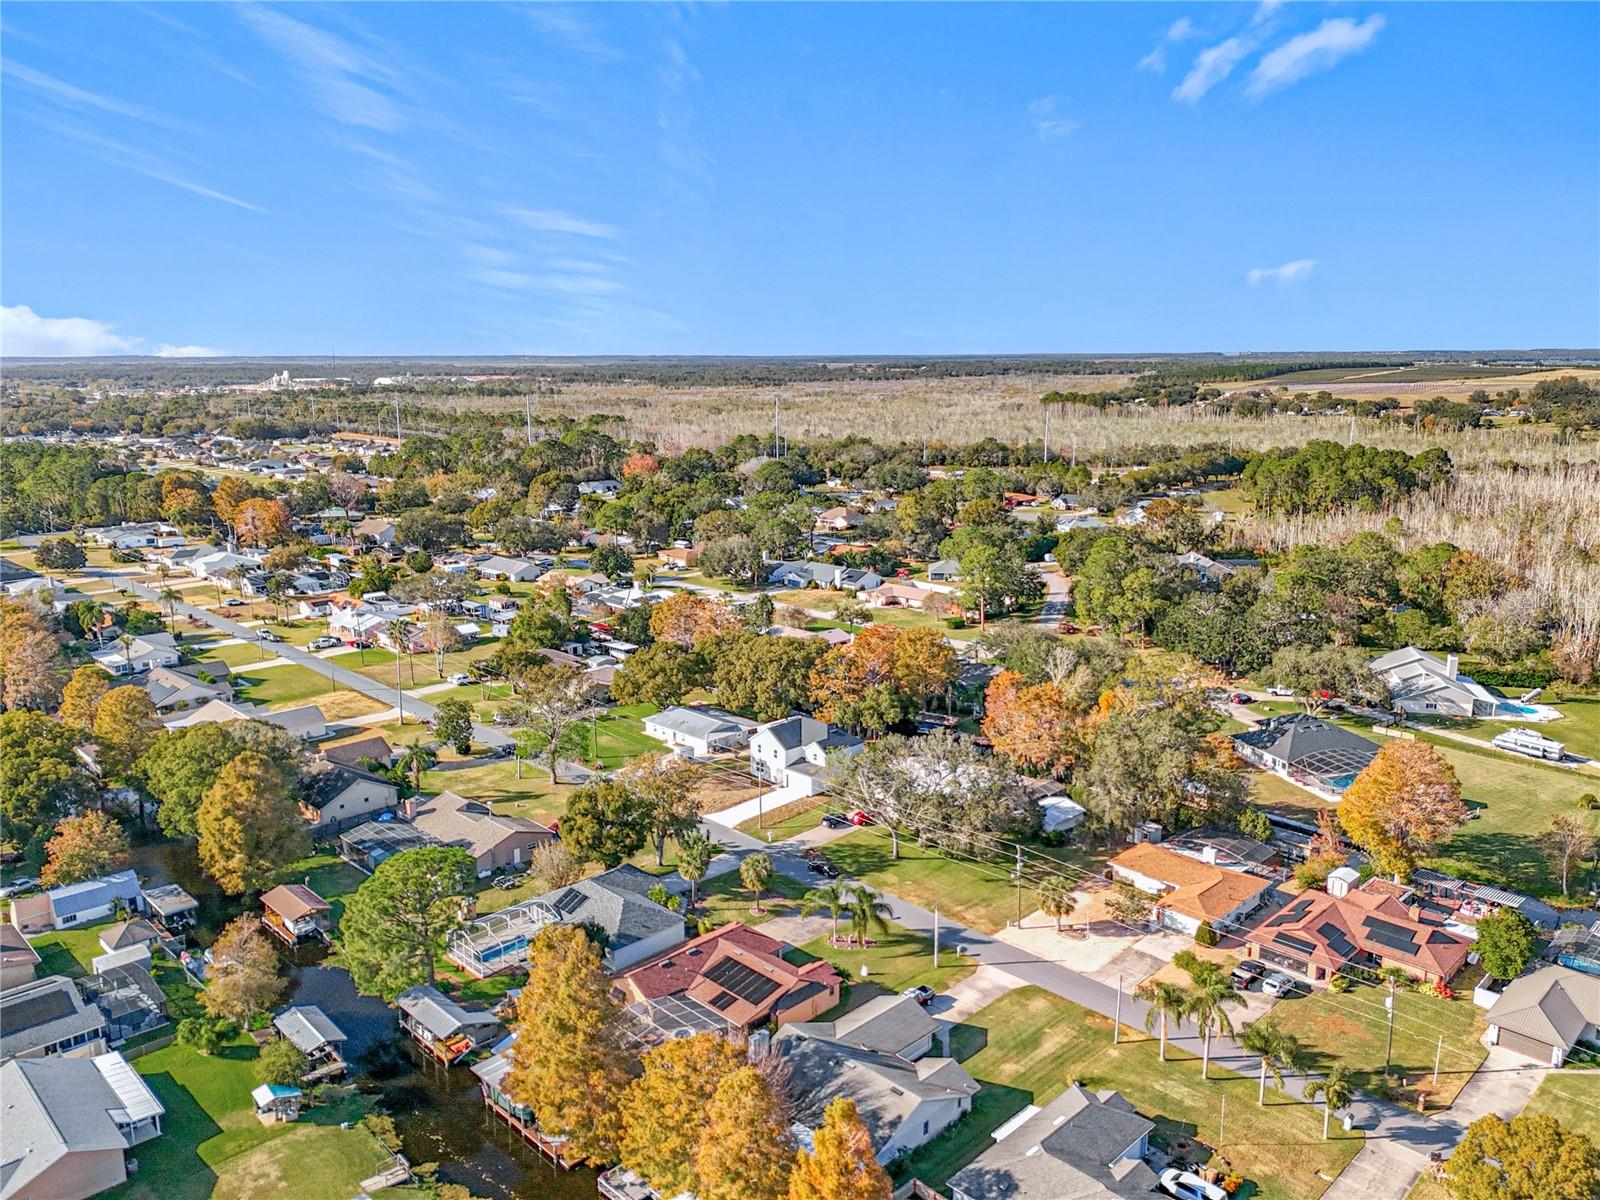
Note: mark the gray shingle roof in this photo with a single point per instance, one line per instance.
(45, 1011)
(52, 1107)
(617, 902)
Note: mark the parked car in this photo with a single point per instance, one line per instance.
(1186, 1185)
(358, 643)
(1280, 690)
(812, 853)
(18, 886)
(836, 820)
(460, 679)
(1279, 984)
(506, 882)
(325, 643)
(233, 602)
(922, 993)
(1239, 698)
(266, 635)
(860, 818)
(821, 866)
(1246, 974)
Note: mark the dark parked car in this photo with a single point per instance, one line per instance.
(836, 820)
(1246, 974)
(821, 866)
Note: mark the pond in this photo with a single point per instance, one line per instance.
(439, 1112)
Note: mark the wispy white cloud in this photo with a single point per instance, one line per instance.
(1308, 53)
(1211, 66)
(346, 82)
(1048, 123)
(143, 162)
(678, 146)
(24, 333)
(573, 31)
(167, 351)
(550, 220)
(71, 96)
(1289, 272)
(1180, 30)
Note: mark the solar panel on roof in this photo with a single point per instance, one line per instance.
(1295, 943)
(723, 1001)
(1336, 940)
(747, 984)
(569, 902)
(1395, 937)
(36, 1010)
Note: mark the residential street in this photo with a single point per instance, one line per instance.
(1399, 1141)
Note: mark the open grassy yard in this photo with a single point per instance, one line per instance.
(236, 654)
(617, 736)
(1571, 1097)
(787, 820)
(531, 796)
(895, 960)
(1026, 1047)
(69, 952)
(284, 686)
(981, 897)
(1280, 796)
(1579, 726)
(329, 876)
(213, 1146)
(723, 899)
(1352, 1028)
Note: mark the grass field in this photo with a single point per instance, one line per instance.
(1352, 1028)
(1026, 1047)
(980, 897)
(895, 960)
(212, 1145)
(788, 820)
(69, 952)
(1571, 1097)
(1579, 727)
(283, 686)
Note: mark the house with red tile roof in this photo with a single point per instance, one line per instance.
(1373, 926)
(1189, 890)
(740, 974)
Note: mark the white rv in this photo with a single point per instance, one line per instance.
(1526, 741)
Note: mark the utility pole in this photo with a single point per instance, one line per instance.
(1047, 435)
(1388, 1049)
(936, 944)
(1116, 1021)
(777, 427)
(1438, 1050)
(527, 409)
(1222, 1117)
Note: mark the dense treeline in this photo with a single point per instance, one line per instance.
(1323, 476)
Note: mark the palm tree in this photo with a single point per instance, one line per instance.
(1167, 1002)
(755, 872)
(1336, 1091)
(1278, 1050)
(1206, 1006)
(170, 598)
(1055, 899)
(695, 852)
(417, 759)
(832, 897)
(867, 910)
(400, 631)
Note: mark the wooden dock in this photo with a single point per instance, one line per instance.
(555, 1149)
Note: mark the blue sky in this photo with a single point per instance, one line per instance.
(798, 179)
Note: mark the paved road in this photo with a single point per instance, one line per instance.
(1057, 599)
(1399, 1141)
(384, 693)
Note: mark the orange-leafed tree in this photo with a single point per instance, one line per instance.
(84, 847)
(842, 1165)
(1404, 803)
(686, 619)
(230, 494)
(664, 1109)
(1029, 724)
(568, 1063)
(923, 663)
(640, 464)
(261, 522)
(745, 1151)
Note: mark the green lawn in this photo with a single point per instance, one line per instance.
(1026, 1047)
(981, 897)
(496, 782)
(1278, 794)
(724, 899)
(237, 654)
(895, 960)
(788, 820)
(611, 740)
(329, 876)
(1569, 1097)
(212, 1145)
(287, 686)
(69, 952)
(1579, 726)
(1352, 1028)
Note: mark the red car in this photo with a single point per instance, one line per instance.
(860, 818)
